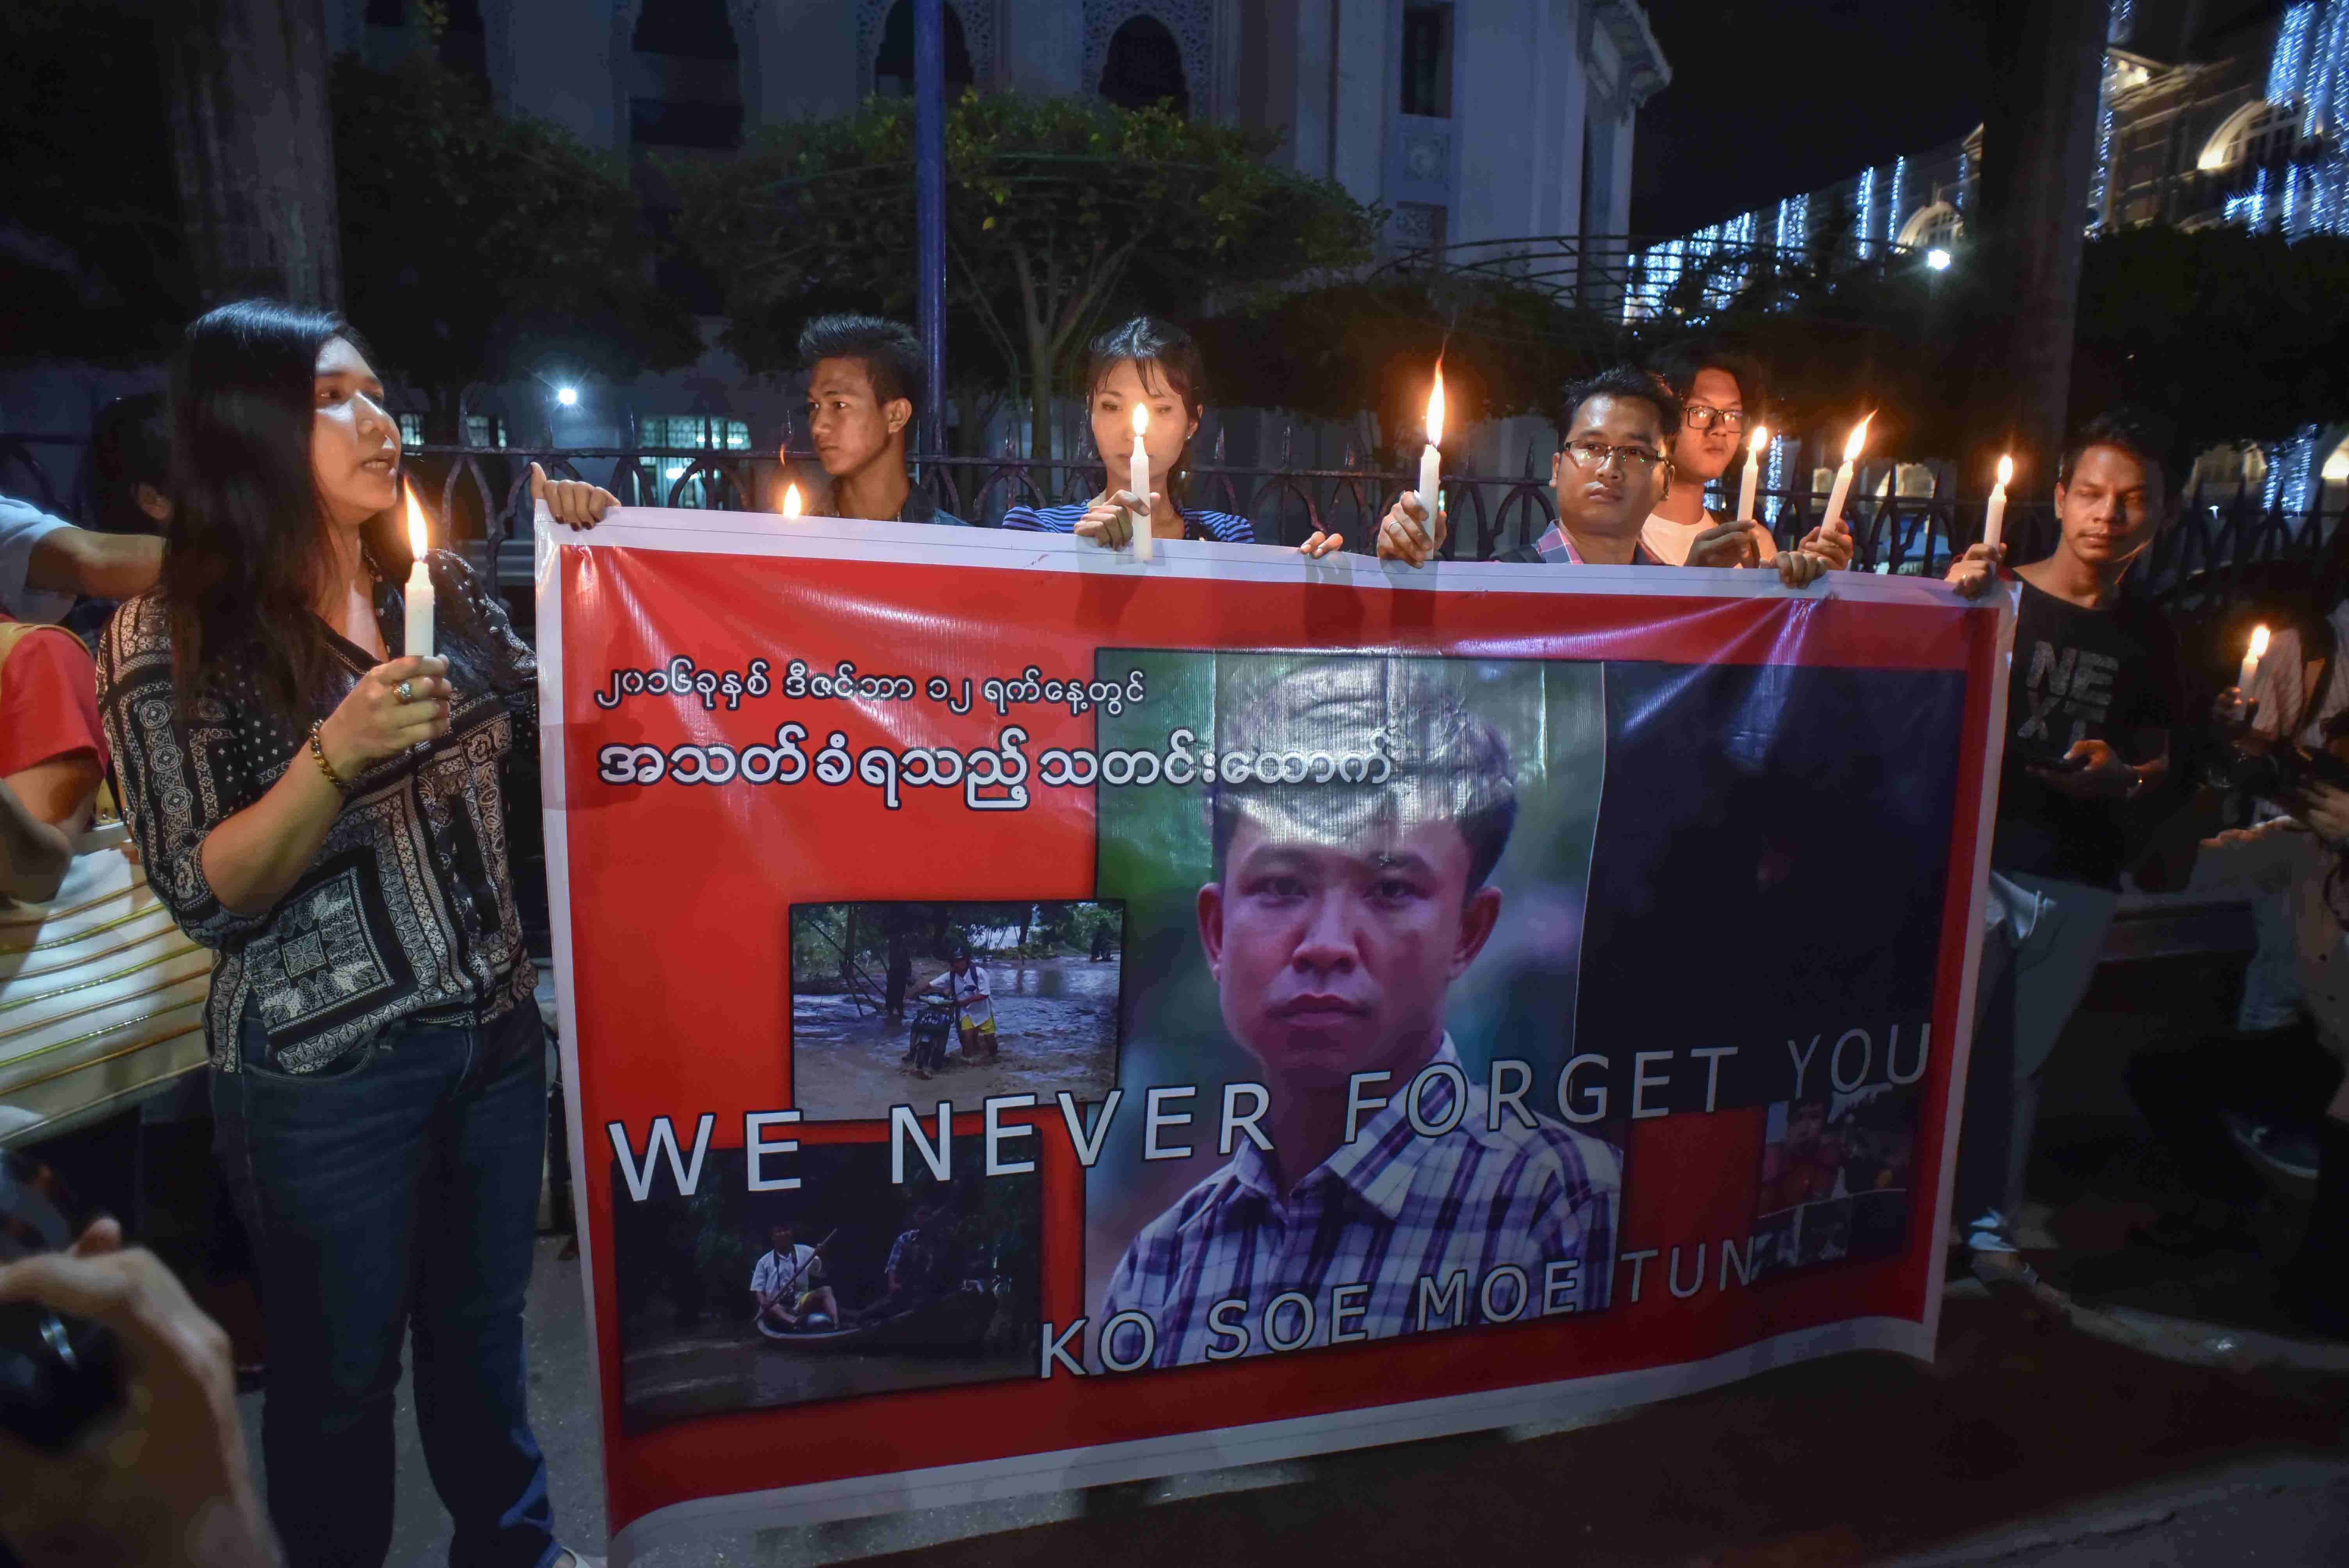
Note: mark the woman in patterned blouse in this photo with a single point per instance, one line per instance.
(1145, 361)
(330, 814)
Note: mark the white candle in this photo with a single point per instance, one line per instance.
(1851, 450)
(2258, 651)
(1997, 519)
(419, 585)
(1746, 486)
(1137, 480)
(1431, 460)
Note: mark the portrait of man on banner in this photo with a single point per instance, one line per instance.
(1378, 1173)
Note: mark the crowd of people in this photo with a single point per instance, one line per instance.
(323, 808)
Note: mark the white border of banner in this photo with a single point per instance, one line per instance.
(835, 538)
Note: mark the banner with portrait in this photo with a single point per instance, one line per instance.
(1036, 1018)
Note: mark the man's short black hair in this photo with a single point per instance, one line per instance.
(1680, 363)
(890, 353)
(2124, 429)
(1625, 381)
(129, 445)
(1333, 746)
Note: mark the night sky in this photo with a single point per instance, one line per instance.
(1771, 99)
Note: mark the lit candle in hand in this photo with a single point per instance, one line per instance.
(1997, 519)
(420, 584)
(1137, 480)
(2249, 672)
(1431, 461)
(1746, 486)
(792, 503)
(1851, 451)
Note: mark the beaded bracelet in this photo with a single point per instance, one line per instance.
(325, 767)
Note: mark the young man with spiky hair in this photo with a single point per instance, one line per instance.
(864, 378)
(1339, 916)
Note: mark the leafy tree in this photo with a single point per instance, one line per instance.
(1344, 349)
(91, 260)
(2231, 336)
(2225, 336)
(1060, 214)
(477, 247)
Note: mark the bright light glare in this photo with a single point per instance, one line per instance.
(567, 395)
(1937, 259)
(2336, 467)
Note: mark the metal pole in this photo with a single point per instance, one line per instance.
(930, 209)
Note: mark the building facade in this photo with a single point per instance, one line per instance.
(1370, 93)
(1373, 94)
(2210, 112)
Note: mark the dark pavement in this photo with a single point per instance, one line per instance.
(2030, 1441)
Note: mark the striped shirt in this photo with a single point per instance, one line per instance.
(1393, 1234)
(1220, 526)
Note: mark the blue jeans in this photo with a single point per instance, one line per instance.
(396, 1191)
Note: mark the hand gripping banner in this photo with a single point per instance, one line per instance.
(1036, 1019)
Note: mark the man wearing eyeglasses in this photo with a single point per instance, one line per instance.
(1715, 388)
(1611, 472)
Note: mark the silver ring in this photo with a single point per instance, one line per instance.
(407, 692)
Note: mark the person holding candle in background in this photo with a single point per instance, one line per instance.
(1152, 366)
(380, 1065)
(2092, 691)
(1721, 395)
(1610, 472)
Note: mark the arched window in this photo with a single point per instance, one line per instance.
(2254, 133)
(1933, 228)
(687, 81)
(893, 67)
(1144, 66)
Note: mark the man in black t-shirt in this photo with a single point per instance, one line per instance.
(2092, 691)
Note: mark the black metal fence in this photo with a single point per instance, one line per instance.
(2220, 549)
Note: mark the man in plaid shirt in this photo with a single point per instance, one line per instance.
(1339, 915)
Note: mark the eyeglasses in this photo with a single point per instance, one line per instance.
(1591, 457)
(1704, 417)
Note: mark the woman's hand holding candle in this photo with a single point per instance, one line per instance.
(1109, 522)
(394, 707)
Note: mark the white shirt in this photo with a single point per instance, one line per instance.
(799, 1272)
(1669, 542)
(2282, 857)
(971, 994)
(22, 526)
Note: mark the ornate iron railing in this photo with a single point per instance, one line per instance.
(2218, 551)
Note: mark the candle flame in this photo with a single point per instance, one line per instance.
(1760, 440)
(792, 503)
(2005, 471)
(417, 543)
(1141, 418)
(1435, 410)
(2259, 642)
(1851, 448)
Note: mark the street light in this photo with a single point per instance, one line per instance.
(1937, 259)
(569, 395)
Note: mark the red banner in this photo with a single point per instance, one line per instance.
(1035, 1018)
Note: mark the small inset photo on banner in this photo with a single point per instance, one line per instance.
(968, 1000)
(850, 1285)
(1837, 1173)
